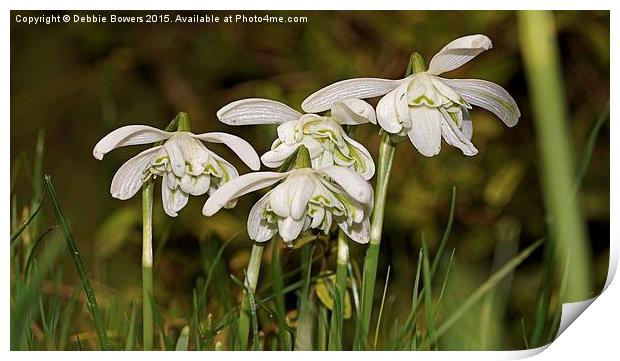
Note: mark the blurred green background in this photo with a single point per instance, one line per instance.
(77, 82)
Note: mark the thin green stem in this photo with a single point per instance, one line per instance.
(147, 266)
(251, 280)
(276, 273)
(387, 149)
(386, 157)
(336, 324)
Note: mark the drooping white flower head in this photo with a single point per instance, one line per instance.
(306, 198)
(186, 165)
(424, 106)
(322, 135)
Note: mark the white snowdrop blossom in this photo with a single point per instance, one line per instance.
(306, 198)
(186, 166)
(424, 106)
(322, 135)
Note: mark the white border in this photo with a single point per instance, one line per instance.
(594, 334)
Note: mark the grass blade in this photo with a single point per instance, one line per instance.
(428, 298)
(446, 234)
(488, 285)
(79, 265)
(28, 221)
(387, 280)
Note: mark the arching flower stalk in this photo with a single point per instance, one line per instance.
(186, 167)
(323, 136)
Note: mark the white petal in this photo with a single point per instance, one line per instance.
(128, 135)
(230, 172)
(256, 111)
(237, 187)
(172, 200)
(201, 187)
(353, 112)
(468, 127)
(352, 183)
(359, 88)
(279, 200)
(174, 149)
(455, 137)
(489, 96)
(242, 149)
(387, 113)
(422, 92)
(358, 232)
(458, 52)
(275, 157)
(289, 228)
(365, 165)
(300, 195)
(425, 132)
(128, 179)
(259, 229)
(287, 132)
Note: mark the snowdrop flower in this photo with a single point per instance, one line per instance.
(426, 107)
(322, 135)
(186, 166)
(306, 198)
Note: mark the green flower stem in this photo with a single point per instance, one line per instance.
(180, 123)
(387, 149)
(147, 265)
(335, 331)
(251, 278)
(543, 70)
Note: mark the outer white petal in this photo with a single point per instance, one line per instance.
(425, 132)
(458, 52)
(358, 232)
(455, 137)
(172, 200)
(237, 187)
(242, 149)
(352, 183)
(128, 135)
(259, 229)
(359, 88)
(364, 157)
(256, 111)
(289, 228)
(387, 113)
(128, 179)
(489, 96)
(353, 112)
(275, 157)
